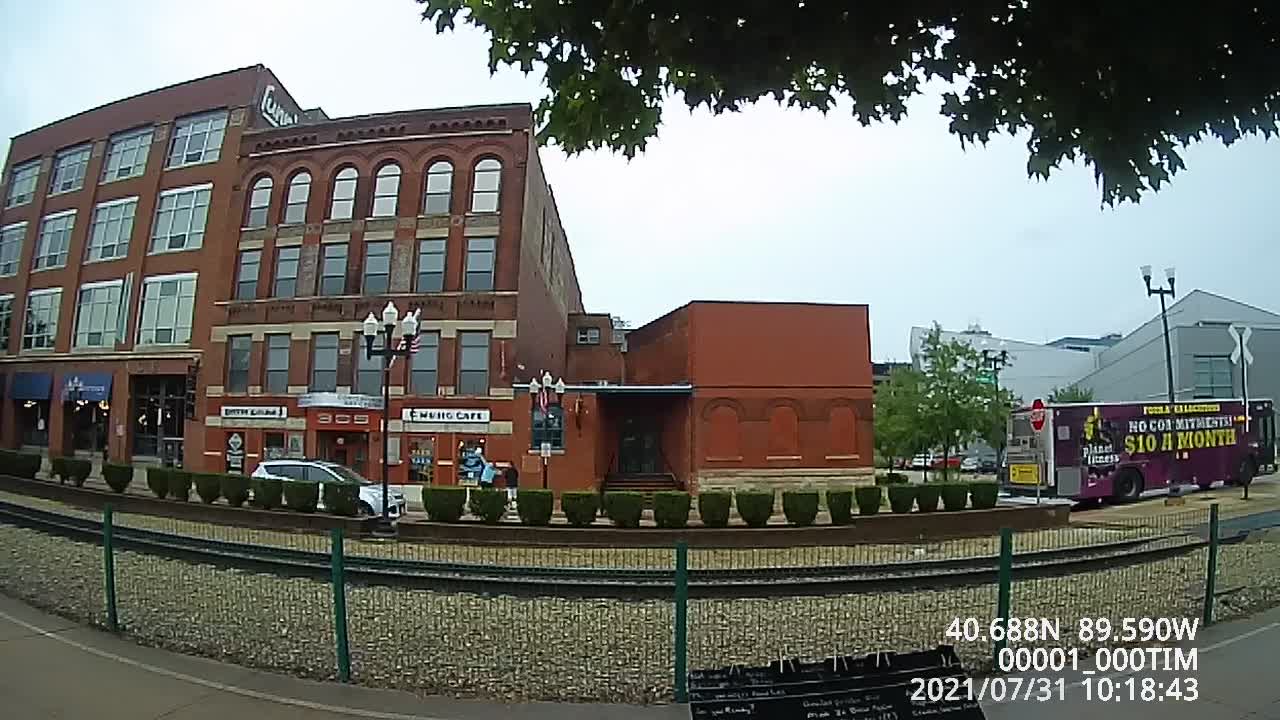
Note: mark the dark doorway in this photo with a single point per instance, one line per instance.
(348, 449)
(159, 407)
(639, 450)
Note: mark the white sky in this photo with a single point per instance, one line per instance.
(768, 204)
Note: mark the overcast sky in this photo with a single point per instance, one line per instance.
(769, 204)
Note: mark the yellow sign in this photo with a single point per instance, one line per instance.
(1024, 474)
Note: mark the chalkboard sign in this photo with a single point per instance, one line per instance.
(871, 687)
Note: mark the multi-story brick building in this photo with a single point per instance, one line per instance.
(185, 272)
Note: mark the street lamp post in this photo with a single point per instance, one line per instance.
(388, 351)
(995, 361)
(1161, 292)
(543, 393)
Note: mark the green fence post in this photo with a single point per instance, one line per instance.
(1005, 587)
(1211, 573)
(340, 606)
(109, 570)
(682, 621)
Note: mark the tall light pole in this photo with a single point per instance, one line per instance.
(388, 352)
(1164, 320)
(542, 394)
(995, 361)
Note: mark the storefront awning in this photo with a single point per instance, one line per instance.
(89, 386)
(32, 386)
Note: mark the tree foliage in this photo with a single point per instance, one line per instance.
(898, 432)
(1122, 86)
(956, 404)
(1071, 394)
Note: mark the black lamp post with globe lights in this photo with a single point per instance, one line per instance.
(388, 351)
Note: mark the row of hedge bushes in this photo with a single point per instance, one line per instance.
(21, 464)
(265, 493)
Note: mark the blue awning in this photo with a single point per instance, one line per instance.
(32, 386)
(92, 386)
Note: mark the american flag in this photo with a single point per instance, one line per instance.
(413, 347)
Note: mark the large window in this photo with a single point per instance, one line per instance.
(259, 202)
(127, 155)
(167, 302)
(6, 321)
(324, 362)
(344, 194)
(439, 190)
(547, 427)
(333, 269)
(277, 375)
(424, 373)
(22, 183)
(486, 186)
(180, 217)
(430, 266)
(479, 263)
(588, 336)
(473, 363)
(197, 139)
(295, 203)
(112, 226)
(247, 274)
(11, 247)
(239, 348)
(386, 188)
(377, 267)
(54, 240)
(286, 283)
(98, 316)
(41, 326)
(368, 372)
(68, 170)
(1213, 377)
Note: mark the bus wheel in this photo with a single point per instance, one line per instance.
(1128, 485)
(1247, 471)
(1204, 486)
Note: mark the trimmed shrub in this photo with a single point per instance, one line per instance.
(58, 468)
(800, 506)
(535, 506)
(868, 499)
(580, 506)
(488, 504)
(235, 488)
(927, 497)
(671, 508)
(340, 498)
(955, 496)
(984, 495)
(624, 509)
(755, 507)
(713, 508)
(267, 492)
(444, 503)
(158, 481)
(22, 464)
(902, 497)
(301, 495)
(891, 478)
(76, 470)
(179, 484)
(117, 477)
(840, 506)
(208, 487)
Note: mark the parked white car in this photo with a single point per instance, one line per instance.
(322, 471)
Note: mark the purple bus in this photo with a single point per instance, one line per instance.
(1116, 451)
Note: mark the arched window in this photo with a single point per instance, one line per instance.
(784, 432)
(295, 205)
(439, 188)
(386, 188)
(842, 424)
(344, 194)
(259, 201)
(486, 186)
(722, 435)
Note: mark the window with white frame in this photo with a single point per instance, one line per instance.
(486, 186)
(180, 217)
(425, 366)
(588, 336)
(479, 274)
(6, 321)
(430, 265)
(41, 326)
(473, 363)
(22, 183)
(197, 139)
(277, 374)
(98, 314)
(333, 269)
(68, 169)
(386, 189)
(344, 194)
(377, 267)
(127, 155)
(259, 202)
(54, 240)
(247, 274)
(295, 203)
(167, 302)
(11, 237)
(286, 279)
(435, 200)
(368, 372)
(111, 228)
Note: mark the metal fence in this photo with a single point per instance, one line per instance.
(600, 624)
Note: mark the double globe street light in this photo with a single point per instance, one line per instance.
(388, 351)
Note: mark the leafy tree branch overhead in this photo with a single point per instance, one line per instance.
(1121, 85)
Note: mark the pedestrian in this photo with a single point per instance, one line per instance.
(512, 477)
(487, 474)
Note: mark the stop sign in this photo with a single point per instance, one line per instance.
(1037, 415)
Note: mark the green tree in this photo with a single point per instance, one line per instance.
(994, 428)
(898, 430)
(955, 402)
(1122, 86)
(1071, 394)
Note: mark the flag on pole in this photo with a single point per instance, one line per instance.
(413, 347)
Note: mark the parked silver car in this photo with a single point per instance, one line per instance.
(323, 471)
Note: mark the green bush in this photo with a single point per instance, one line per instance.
(158, 481)
(891, 478)
(580, 506)
(927, 497)
(671, 508)
(22, 464)
(444, 503)
(340, 498)
(179, 484)
(800, 506)
(301, 495)
(984, 495)
(117, 477)
(208, 486)
(624, 509)
(755, 507)
(840, 506)
(955, 496)
(76, 470)
(868, 499)
(235, 488)
(267, 492)
(488, 504)
(535, 506)
(713, 508)
(902, 497)
(58, 468)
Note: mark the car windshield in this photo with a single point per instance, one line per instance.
(348, 475)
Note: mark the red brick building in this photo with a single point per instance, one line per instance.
(183, 276)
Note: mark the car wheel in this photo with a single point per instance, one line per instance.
(364, 509)
(1128, 485)
(1204, 486)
